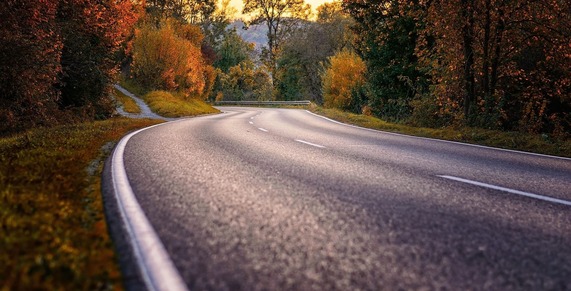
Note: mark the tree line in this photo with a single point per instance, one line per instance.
(57, 58)
(500, 64)
(60, 58)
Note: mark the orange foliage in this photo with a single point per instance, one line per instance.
(40, 64)
(511, 58)
(345, 73)
(169, 58)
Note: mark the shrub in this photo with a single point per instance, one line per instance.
(346, 72)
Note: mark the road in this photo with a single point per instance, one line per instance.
(279, 199)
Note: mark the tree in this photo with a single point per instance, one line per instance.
(239, 78)
(514, 65)
(57, 55)
(232, 50)
(30, 52)
(280, 16)
(305, 51)
(191, 11)
(386, 39)
(344, 75)
(169, 58)
(92, 33)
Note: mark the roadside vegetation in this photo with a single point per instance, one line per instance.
(479, 71)
(168, 104)
(53, 232)
(535, 143)
(129, 105)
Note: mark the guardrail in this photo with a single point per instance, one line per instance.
(301, 102)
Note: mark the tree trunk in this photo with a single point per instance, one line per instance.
(497, 52)
(468, 40)
(486, 54)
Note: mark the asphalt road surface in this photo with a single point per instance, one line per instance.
(279, 199)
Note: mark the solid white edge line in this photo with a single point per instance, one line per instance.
(522, 193)
(309, 143)
(158, 270)
(263, 129)
(440, 140)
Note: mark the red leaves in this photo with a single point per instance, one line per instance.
(32, 35)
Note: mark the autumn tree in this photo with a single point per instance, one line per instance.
(280, 16)
(30, 52)
(501, 63)
(92, 33)
(57, 55)
(169, 58)
(342, 79)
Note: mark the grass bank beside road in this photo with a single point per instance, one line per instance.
(129, 105)
(541, 144)
(169, 104)
(53, 234)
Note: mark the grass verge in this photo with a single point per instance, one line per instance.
(169, 105)
(53, 234)
(129, 105)
(507, 140)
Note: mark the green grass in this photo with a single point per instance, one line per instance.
(494, 138)
(53, 234)
(132, 87)
(168, 105)
(129, 105)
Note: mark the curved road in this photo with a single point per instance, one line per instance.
(278, 199)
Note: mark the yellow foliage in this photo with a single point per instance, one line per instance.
(346, 71)
(168, 105)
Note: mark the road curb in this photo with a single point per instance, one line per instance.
(143, 259)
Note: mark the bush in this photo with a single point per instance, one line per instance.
(169, 58)
(346, 72)
(168, 105)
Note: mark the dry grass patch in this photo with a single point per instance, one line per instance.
(508, 140)
(129, 105)
(53, 234)
(169, 105)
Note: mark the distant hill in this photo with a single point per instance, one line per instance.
(257, 34)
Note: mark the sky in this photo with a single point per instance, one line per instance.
(314, 4)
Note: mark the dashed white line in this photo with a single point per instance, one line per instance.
(251, 122)
(262, 129)
(309, 143)
(517, 192)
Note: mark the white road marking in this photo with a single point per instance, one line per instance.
(251, 122)
(252, 117)
(157, 269)
(522, 193)
(309, 143)
(262, 129)
(440, 140)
